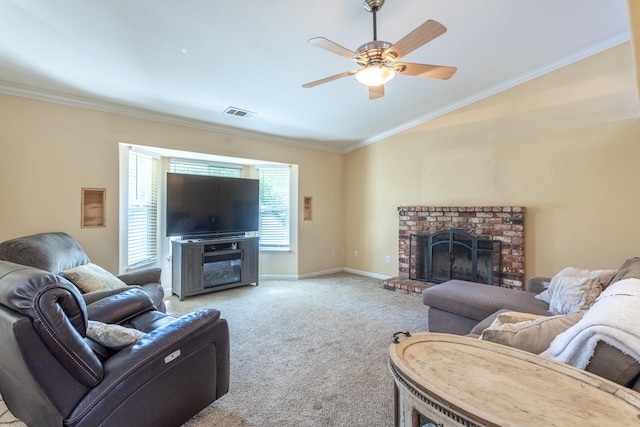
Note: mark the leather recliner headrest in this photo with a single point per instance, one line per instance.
(52, 252)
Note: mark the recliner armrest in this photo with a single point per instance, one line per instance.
(141, 277)
(91, 297)
(134, 366)
(120, 307)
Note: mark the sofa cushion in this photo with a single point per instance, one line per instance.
(574, 289)
(610, 363)
(611, 319)
(91, 277)
(478, 301)
(534, 335)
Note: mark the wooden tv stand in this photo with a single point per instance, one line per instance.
(208, 265)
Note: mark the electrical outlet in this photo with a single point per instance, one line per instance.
(355, 254)
(333, 252)
(388, 259)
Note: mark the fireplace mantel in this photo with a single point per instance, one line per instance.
(502, 223)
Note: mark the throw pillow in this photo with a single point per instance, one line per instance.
(112, 336)
(91, 277)
(513, 317)
(533, 336)
(574, 289)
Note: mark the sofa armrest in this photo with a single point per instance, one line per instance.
(535, 284)
(142, 277)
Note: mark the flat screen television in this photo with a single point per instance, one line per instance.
(199, 205)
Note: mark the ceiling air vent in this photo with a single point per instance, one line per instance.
(238, 112)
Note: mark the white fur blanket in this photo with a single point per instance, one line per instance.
(614, 318)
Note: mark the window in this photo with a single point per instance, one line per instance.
(142, 215)
(274, 196)
(142, 212)
(274, 206)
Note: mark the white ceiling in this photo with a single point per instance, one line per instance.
(188, 60)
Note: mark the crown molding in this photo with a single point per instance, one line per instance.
(508, 84)
(40, 94)
(140, 113)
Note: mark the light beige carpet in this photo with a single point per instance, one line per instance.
(310, 352)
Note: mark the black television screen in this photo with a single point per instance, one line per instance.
(200, 205)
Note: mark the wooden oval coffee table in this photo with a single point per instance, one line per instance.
(449, 380)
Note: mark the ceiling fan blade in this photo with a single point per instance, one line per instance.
(333, 47)
(376, 92)
(428, 31)
(330, 78)
(425, 70)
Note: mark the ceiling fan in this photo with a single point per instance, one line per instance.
(379, 57)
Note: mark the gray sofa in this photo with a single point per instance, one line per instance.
(466, 308)
(56, 252)
(461, 308)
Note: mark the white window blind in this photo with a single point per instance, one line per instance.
(142, 217)
(204, 168)
(274, 206)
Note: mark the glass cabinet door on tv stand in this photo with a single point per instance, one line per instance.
(207, 265)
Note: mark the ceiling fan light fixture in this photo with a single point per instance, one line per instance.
(378, 58)
(375, 75)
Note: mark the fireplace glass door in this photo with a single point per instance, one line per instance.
(454, 254)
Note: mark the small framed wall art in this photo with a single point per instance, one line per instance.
(93, 207)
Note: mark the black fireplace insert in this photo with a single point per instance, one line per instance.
(456, 254)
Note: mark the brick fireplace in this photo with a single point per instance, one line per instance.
(499, 223)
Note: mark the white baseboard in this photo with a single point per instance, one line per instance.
(277, 277)
(365, 273)
(321, 273)
(167, 291)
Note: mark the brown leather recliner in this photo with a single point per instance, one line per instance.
(51, 374)
(56, 251)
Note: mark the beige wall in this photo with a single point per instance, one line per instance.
(565, 145)
(51, 151)
(634, 28)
